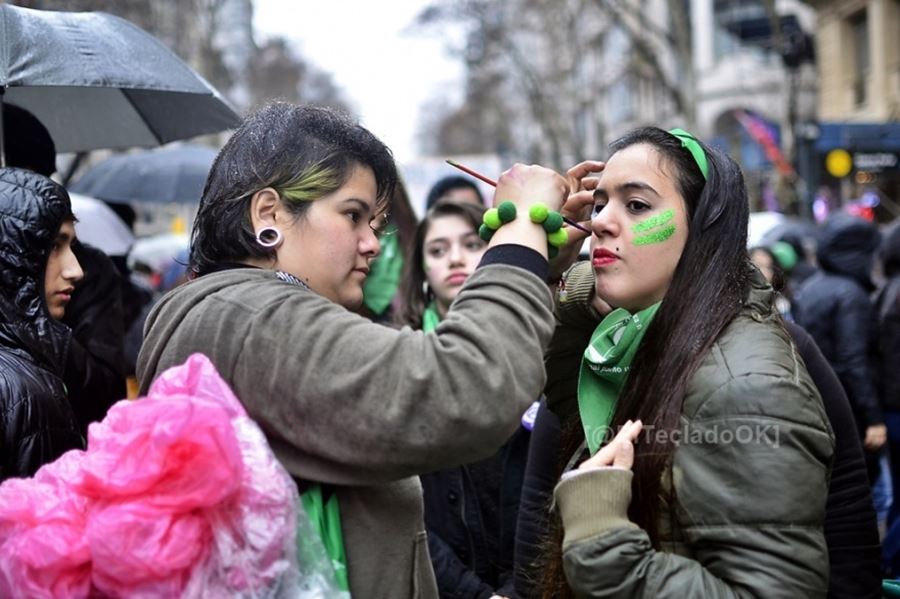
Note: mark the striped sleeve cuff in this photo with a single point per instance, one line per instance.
(594, 502)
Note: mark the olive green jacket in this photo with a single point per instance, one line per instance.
(750, 475)
(363, 407)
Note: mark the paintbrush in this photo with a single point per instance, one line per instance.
(493, 183)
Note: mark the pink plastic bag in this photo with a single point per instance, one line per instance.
(177, 495)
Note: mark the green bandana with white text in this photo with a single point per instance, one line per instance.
(605, 367)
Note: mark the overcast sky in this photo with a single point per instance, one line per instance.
(385, 68)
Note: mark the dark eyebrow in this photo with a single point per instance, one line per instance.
(362, 205)
(639, 185)
(447, 240)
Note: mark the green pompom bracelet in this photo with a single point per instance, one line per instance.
(538, 212)
(506, 212)
(553, 223)
(558, 238)
(491, 219)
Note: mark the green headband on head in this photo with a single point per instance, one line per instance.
(689, 142)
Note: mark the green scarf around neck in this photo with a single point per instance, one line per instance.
(430, 317)
(384, 279)
(605, 367)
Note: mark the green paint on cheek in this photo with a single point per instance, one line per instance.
(655, 237)
(653, 222)
(656, 229)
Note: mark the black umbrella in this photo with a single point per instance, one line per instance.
(171, 174)
(97, 81)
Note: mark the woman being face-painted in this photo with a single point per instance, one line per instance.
(639, 227)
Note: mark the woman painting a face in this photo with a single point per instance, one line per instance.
(355, 410)
(707, 446)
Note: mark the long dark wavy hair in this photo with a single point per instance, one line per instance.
(708, 289)
(413, 298)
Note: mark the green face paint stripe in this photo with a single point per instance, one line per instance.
(653, 222)
(655, 237)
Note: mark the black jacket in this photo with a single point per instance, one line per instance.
(887, 313)
(834, 307)
(95, 368)
(542, 472)
(470, 514)
(851, 531)
(37, 424)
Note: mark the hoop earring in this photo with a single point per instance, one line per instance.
(269, 237)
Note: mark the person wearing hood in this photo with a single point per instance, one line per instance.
(95, 369)
(38, 273)
(833, 306)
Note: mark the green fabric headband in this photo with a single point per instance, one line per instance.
(689, 142)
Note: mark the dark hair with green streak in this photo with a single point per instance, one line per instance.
(303, 152)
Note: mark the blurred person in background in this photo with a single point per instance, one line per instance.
(38, 275)
(801, 264)
(380, 291)
(456, 188)
(833, 305)
(887, 314)
(95, 370)
(768, 264)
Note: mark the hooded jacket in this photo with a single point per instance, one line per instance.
(37, 424)
(834, 307)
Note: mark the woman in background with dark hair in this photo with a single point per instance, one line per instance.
(470, 510)
(724, 493)
(382, 286)
(447, 238)
(765, 260)
(456, 188)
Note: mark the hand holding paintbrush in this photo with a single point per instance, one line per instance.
(493, 183)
